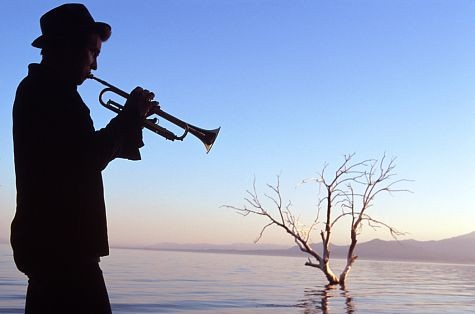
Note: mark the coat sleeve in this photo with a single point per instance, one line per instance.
(121, 138)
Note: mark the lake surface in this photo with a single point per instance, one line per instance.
(179, 282)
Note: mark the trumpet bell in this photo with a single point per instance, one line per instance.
(208, 137)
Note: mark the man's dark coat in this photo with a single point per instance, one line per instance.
(60, 217)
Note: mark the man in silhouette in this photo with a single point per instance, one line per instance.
(59, 231)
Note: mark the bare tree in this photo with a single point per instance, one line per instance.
(349, 192)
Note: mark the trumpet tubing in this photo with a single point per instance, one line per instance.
(208, 137)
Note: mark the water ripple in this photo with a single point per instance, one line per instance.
(178, 282)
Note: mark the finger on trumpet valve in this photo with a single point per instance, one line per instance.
(153, 120)
(155, 104)
(150, 96)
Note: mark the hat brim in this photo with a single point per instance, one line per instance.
(103, 29)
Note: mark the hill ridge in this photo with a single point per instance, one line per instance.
(457, 249)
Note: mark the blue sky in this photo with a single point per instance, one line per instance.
(294, 85)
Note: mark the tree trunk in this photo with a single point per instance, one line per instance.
(349, 262)
(344, 274)
(324, 266)
(331, 277)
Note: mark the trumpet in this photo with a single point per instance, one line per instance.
(208, 137)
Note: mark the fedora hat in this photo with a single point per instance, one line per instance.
(69, 21)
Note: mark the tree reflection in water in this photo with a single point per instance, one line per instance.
(321, 300)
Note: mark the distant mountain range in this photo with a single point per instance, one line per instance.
(460, 249)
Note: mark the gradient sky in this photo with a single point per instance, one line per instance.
(294, 85)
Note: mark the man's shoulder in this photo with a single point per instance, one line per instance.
(32, 83)
(33, 95)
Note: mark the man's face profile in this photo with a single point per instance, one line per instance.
(87, 58)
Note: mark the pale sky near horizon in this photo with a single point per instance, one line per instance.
(294, 85)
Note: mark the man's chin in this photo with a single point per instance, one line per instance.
(81, 80)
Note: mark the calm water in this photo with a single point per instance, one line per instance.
(177, 282)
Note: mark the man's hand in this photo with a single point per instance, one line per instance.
(141, 101)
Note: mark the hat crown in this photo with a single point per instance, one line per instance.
(67, 18)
